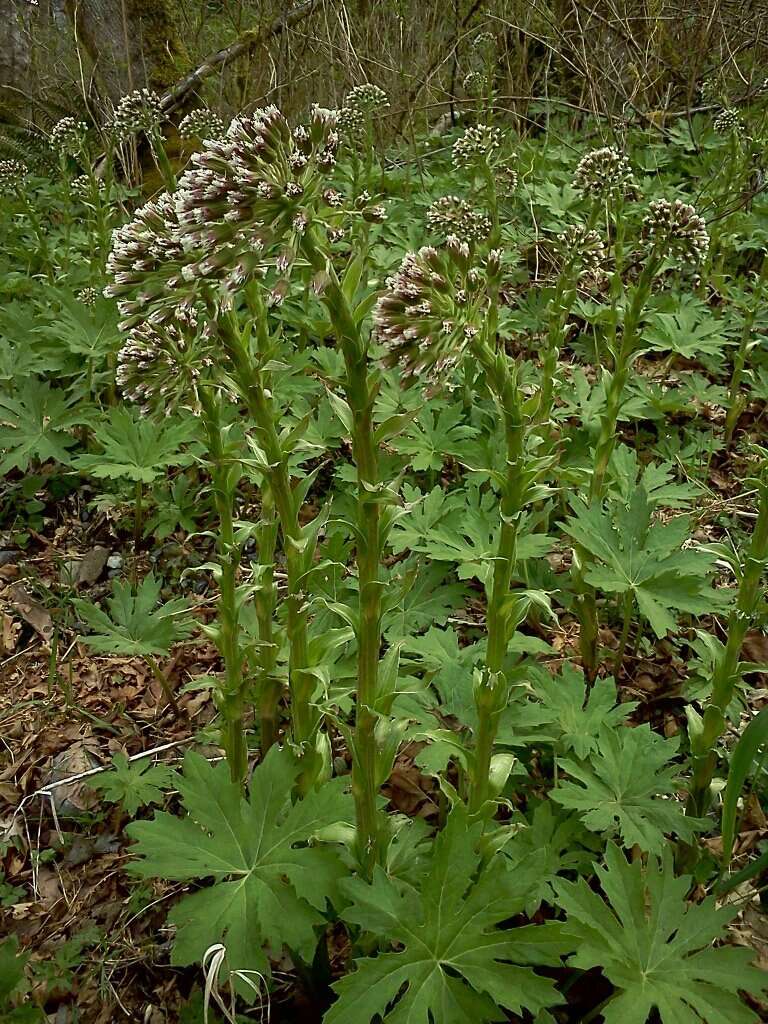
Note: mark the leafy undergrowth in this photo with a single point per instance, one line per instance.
(380, 617)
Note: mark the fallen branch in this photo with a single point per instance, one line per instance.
(243, 44)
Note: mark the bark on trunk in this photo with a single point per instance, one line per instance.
(132, 43)
(15, 45)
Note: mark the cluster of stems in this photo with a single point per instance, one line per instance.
(232, 696)
(253, 382)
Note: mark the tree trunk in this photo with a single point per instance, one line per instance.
(15, 51)
(131, 43)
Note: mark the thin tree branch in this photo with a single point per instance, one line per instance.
(244, 44)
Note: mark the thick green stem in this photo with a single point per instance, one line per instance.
(232, 695)
(138, 515)
(157, 145)
(492, 694)
(360, 395)
(726, 673)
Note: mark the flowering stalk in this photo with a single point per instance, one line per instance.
(360, 394)
(492, 692)
(671, 231)
(582, 250)
(704, 733)
(441, 305)
(225, 474)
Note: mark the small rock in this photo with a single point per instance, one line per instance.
(92, 565)
(115, 562)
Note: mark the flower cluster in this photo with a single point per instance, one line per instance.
(87, 296)
(12, 175)
(352, 123)
(149, 266)
(433, 307)
(202, 123)
(728, 122)
(81, 187)
(68, 136)
(579, 245)
(160, 365)
(676, 231)
(368, 99)
(478, 144)
(604, 172)
(139, 111)
(475, 83)
(257, 185)
(451, 215)
(484, 41)
(506, 178)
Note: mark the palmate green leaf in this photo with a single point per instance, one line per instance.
(433, 435)
(656, 477)
(566, 711)
(137, 448)
(36, 423)
(134, 784)
(11, 967)
(655, 948)
(467, 537)
(448, 667)
(89, 331)
(690, 330)
(135, 623)
(271, 886)
(427, 600)
(454, 965)
(645, 559)
(622, 789)
(556, 842)
(425, 511)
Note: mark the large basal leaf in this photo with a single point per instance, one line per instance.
(453, 964)
(655, 948)
(36, 423)
(136, 623)
(138, 449)
(270, 884)
(566, 712)
(646, 559)
(624, 789)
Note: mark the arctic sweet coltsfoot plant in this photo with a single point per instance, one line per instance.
(141, 111)
(672, 236)
(251, 203)
(440, 306)
(262, 198)
(168, 361)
